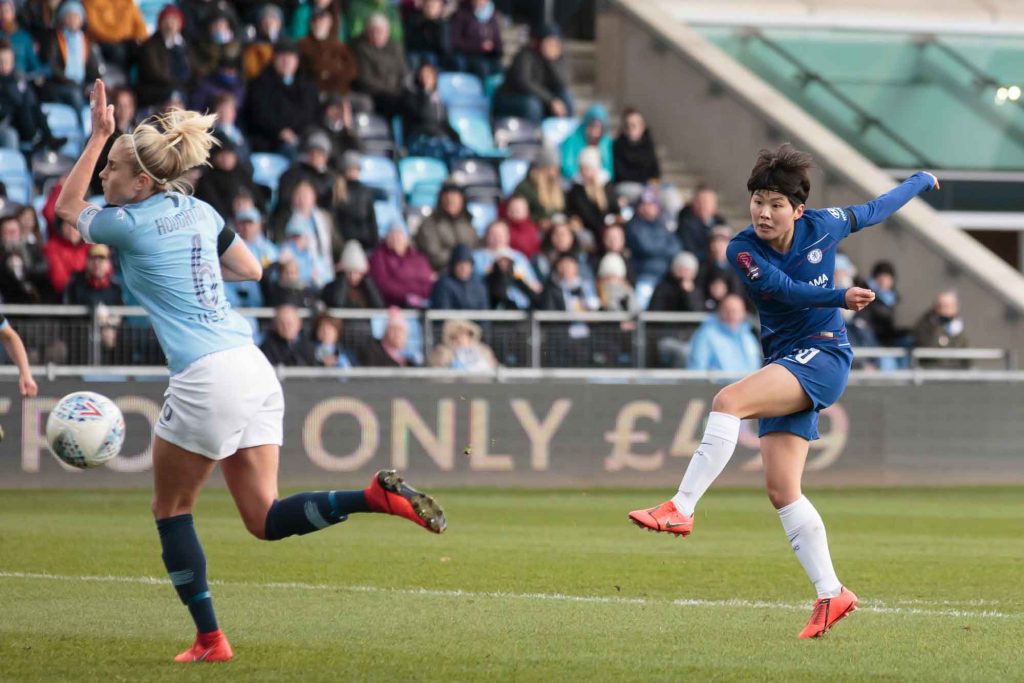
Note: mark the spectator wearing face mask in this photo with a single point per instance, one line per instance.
(942, 327)
(216, 43)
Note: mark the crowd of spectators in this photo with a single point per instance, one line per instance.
(590, 226)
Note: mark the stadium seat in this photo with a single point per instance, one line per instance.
(475, 131)
(374, 133)
(512, 172)
(19, 186)
(12, 162)
(267, 169)
(48, 164)
(512, 132)
(424, 194)
(483, 213)
(462, 91)
(381, 173)
(556, 129)
(150, 10)
(86, 115)
(387, 214)
(65, 122)
(644, 290)
(474, 173)
(419, 170)
(492, 83)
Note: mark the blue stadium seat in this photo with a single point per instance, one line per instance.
(65, 122)
(556, 129)
(644, 289)
(418, 170)
(19, 186)
(462, 91)
(424, 195)
(493, 82)
(381, 173)
(512, 172)
(475, 131)
(387, 215)
(12, 162)
(483, 213)
(151, 11)
(267, 168)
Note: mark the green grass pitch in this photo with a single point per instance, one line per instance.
(524, 586)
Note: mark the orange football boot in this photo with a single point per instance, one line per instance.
(827, 611)
(389, 493)
(666, 517)
(209, 647)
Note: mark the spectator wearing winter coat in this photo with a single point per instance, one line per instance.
(476, 38)
(352, 287)
(651, 246)
(217, 42)
(312, 168)
(280, 104)
(24, 271)
(880, 316)
(93, 286)
(337, 123)
(592, 132)
(633, 151)
(226, 176)
(325, 59)
(354, 216)
(613, 288)
(362, 14)
(726, 341)
(298, 28)
(26, 59)
(260, 51)
(403, 275)
(20, 106)
(163, 60)
(560, 241)
(199, 14)
(589, 199)
(460, 289)
(428, 37)
(427, 130)
(567, 290)
(117, 27)
(382, 68)
(942, 327)
(73, 59)
(390, 351)
(678, 290)
(717, 263)
(285, 344)
(225, 106)
(462, 349)
(696, 221)
(225, 79)
(524, 235)
(542, 188)
(289, 287)
(66, 254)
(449, 225)
(536, 84)
(310, 231)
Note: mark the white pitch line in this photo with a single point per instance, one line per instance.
(877, 607)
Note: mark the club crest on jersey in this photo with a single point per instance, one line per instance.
(746, 262)
(837, 213)
(814, 256)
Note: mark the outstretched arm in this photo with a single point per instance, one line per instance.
(16, 350)
(71, 201)
(880, 208)
(765, 280)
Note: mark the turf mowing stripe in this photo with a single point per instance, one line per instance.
(876, 607)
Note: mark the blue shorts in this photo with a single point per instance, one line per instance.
(823, 373)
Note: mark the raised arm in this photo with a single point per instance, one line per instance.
(765, 280)
(71, 201)
(880, 208)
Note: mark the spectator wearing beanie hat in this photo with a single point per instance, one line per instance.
(259, 53)
(352, 288)
(73, 59)
(459, 289)
(313, 168)
(613, 288)
(163, 63)
(679, 290)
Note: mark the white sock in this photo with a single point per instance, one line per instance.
(708, 461)
(806, 534)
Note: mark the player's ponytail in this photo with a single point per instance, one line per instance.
(165, 146)
(784, 170)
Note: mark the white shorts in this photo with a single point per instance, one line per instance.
(223, 401)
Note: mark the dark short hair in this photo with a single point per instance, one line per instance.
(883, 268)
(784, 170)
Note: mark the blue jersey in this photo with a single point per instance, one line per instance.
(167, 248)
(794, 292)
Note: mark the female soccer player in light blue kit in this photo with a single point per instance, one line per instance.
(786, 258)
(224, 404)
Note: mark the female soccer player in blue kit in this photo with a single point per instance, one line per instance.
(224, 404)
(786, 258)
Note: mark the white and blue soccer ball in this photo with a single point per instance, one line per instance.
(85, 429)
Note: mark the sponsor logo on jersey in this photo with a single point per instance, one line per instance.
(814, 256)
(838, 213)
(746, 262)
(820, 281)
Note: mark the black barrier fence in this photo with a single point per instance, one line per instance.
(565, 434)
(122, 335)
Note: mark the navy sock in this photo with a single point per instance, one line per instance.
(186, 567)
(311, 511)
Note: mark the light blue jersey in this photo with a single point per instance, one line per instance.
(167, 247)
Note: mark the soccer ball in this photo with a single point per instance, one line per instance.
(85, 429)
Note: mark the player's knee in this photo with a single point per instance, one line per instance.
(256, 527)
(782, 495)
(727, 401)
(162, 509)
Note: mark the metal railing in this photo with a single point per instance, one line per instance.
(74, 336)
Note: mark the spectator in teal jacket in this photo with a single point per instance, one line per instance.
(592, 132)
(726, 341)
